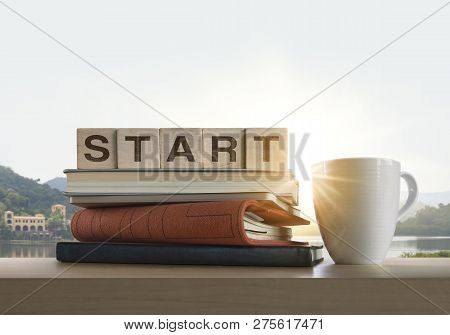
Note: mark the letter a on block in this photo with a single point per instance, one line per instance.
(223, 148)
(180, 148)
(138, 148)
(266, 149)
(96, 148)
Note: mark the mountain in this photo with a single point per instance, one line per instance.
(59, 183)
(26, 196)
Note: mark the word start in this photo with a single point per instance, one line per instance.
(151, 148)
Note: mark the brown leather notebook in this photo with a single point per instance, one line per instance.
(217, 223)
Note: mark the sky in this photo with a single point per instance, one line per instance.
(229, 64)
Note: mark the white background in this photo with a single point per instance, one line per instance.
(348, 325)
(229, 64)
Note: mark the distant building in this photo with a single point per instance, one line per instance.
(32, 224)
(35, 223)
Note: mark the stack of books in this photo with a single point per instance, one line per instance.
(185, 216)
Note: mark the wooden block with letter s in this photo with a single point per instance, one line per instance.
(96, 148)
(181, 147)
(224, 148)
(138, 148)
(266, 148)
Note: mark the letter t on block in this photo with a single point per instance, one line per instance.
(266, 149)
(138, 148)
(96, 148)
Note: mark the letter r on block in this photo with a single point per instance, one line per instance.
(224, 148)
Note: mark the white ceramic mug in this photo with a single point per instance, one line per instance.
(356, 201)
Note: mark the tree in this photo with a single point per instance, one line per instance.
(429, 221)
(58, 226)
(6, 233)
(56, 222)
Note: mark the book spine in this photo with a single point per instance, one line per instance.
(74, 252)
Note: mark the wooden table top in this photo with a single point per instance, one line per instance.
(391, 268)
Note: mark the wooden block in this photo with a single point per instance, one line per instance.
(180, 147)
(224, 148)
(138, 148)
(266, 149)
(96, 148)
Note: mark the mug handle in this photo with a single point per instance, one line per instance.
(412, 194)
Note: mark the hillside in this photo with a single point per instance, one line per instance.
(26, 196)
(58, 183)
(429, 221)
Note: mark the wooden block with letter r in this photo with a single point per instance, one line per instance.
(96, 148)
(224, 148)
(181, 147)
(138, 148)
(266, 149)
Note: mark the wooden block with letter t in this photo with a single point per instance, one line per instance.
(224, 148)
(266, 149)
(96, 148)
(181, 147)
(138, 148)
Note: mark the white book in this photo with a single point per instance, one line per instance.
(163, 181)
(131, 175)
(259, 230)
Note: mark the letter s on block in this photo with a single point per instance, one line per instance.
(89, 145)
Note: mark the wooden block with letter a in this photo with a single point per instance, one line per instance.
(224, 148)
(266, 148)
(138, 148)
(96, 148)
(181, 147)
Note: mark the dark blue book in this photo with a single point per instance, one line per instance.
(177, 254)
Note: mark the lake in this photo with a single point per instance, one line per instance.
(399, 245)
(27, 250)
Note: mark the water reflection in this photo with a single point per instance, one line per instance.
(11, 250)
(402, 244)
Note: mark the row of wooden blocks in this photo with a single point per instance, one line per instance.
(221, 148)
